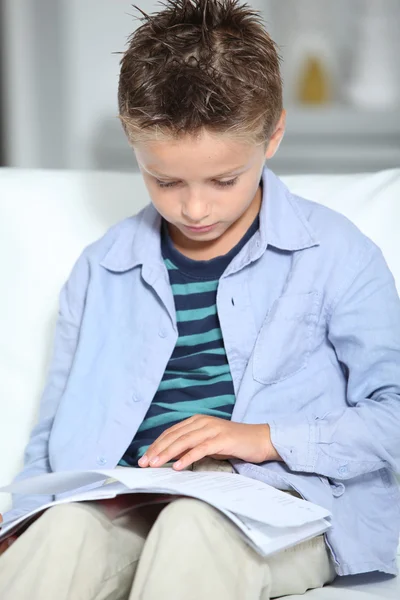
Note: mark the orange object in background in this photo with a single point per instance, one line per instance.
(314, 83)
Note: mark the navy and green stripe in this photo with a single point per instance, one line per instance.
(197, 379)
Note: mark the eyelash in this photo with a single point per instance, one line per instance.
(221, 184)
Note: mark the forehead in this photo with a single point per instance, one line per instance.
(206, 155)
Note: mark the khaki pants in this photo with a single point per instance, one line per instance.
(183, 551)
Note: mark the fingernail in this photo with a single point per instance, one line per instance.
(143, 461)
(178, 464)
(154, 461)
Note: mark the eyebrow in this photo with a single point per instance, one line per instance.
(234, 171)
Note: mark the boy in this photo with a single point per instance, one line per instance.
(230, 325)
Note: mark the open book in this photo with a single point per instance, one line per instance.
(270, 520)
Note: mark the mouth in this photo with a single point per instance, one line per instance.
(200, 229)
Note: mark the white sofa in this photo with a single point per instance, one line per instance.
(47, 217)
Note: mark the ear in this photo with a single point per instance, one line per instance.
(276, 137)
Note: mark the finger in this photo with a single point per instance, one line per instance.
(187, 423)
(165, 440)
(181, 446)
(175, 446)
(208, 448)
(183, 423)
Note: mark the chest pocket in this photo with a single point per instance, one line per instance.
(286, 338)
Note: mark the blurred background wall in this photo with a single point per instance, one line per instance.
(59, 83)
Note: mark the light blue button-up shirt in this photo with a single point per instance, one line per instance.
(313, 342)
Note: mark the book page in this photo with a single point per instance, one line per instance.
(241, 495)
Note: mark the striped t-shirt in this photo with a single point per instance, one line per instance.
(197, 379)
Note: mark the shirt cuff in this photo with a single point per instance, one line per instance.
(296, 443)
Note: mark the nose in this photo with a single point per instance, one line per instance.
(195, 208)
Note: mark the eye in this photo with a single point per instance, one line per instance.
(218, 183)
(228, 183)
(166, 184)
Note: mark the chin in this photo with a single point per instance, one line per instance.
(203, 237)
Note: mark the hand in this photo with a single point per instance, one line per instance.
(200, 436)
(7, 542)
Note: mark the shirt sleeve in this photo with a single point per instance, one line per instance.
(364, 329)
(36, 462)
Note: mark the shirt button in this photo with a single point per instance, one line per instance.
(162, 333)
(101, 460)
(136, 399)
(343, 470)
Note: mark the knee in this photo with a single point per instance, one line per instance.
(66, 521)
(187, 508)
(186, 516)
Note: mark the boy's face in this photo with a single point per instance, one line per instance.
(203, 186)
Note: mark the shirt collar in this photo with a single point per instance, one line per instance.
(283, 225)
(283, 222)
(137, 243)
